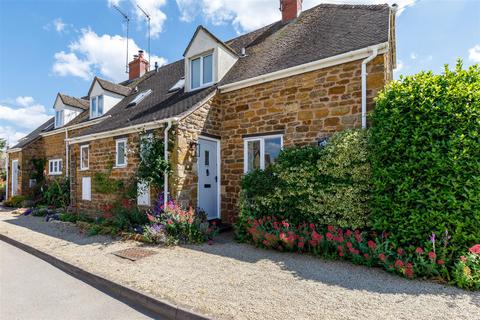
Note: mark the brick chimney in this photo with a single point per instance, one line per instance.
(138, 66)
(290, 9)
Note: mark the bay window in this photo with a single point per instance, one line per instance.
(260, 152)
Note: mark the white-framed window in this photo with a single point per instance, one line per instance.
(86, 188)
(201, 71)
(59, 118)
(260, 152)
(121, 152)
(84, 154)
(96, 106)
(55, 166)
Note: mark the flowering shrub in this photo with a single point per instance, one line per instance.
(173, 224)
(467, 270)
(360, 247)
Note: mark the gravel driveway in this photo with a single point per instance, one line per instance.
(236, 281)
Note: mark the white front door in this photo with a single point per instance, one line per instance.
(14, 177)
(208, 179)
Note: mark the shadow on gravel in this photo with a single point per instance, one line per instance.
(64, 231)
(334, 273)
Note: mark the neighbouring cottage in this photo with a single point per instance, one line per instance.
(226, 108)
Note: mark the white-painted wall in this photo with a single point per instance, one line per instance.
(203, 44)
(69, 113)
(110, 99)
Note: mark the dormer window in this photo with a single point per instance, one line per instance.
(58, 118)
(201, 71)
(96, 106)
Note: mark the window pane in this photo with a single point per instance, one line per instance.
(207, 69)
(207, 157)
(60, 166)
(272, 149)
(51, 167)
(84, 157)
(253, 154)
(195, 72)
(121, 153)
(100, 105)
(94, 107)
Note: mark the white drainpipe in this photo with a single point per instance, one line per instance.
(6, 169)
(66, 153)
(165, 174)
(364, 85)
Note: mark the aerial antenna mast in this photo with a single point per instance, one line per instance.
(148, 22)
(127, 21)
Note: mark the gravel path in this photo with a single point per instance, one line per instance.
(235, 281)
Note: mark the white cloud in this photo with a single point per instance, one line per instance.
(26, 113)
(248, 15)
(59, 25)
(114, 2)
(413, 56)
(474, 53)
(11, 135)
(400, 67)
(157, 16)
(91, 54)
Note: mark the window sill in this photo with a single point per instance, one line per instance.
(83, 169)
(120, 166)
(55, 174)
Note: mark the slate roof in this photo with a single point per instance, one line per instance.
(321, 32)
(32, 136)
(74, 102)
(110, 86)
(160, 104)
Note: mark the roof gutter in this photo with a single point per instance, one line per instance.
(364, 85)
(14, 150)
(107, 134)
(307, 67)
(75, 126)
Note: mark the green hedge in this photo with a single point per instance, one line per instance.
(311, 184)
(425, 147)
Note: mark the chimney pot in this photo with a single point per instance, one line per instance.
(290, 9)
(138, 66)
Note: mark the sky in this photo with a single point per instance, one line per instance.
(51, 46)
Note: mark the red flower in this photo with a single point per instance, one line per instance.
(409, 265)
(419, 250)
(432, 255)
(169, 221)
(463, 258)
(341, 254)
(400, 251)
(316, 236)
(340, 248)
(366, 256)
(329, 236)
(312, 226)
(330, 228)
(348, 233)
(312, 243)
(349, 244)
(371, 244)
(399, 264)
(301, 244)
(150, 217)
(358, 236)
(285, 224)
(382, 257)
(265, 242)
(409, 273)
(475, 249)
(441, 262)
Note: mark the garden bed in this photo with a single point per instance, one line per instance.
(229, 280)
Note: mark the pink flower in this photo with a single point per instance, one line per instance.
(366, 256)
(463, 258)
(348, 233)
(400, 251)
(409, 273)
(285, 224)
(301, 244)
(441, 262)
(432, 255)
(419, 250)
(475, 249)
(316, 236)
(349, 244)
(150, 217)
(371, 244)
(399, 264)
(312, 243)
(341, 254)
(169, 221)
(330, 228)
(329, 236)
(312, 226)
(382, 257)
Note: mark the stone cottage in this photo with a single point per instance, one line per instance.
(227, 107)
